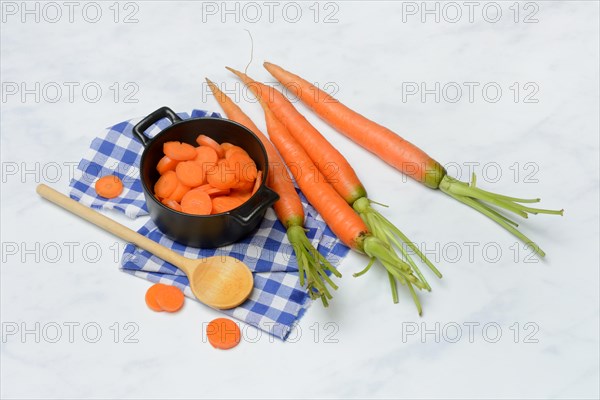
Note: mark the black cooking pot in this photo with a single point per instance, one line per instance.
(202, 230)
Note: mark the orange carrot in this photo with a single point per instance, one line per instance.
(403, 155)
(204, 140)
(166, 184)
(196, 201)
(406, 157)
(190, 173)
(223, 333)
(312, 265)
(179, 151)
(345, 223)
(109, 186)
(345, 180)
(334, 209)
(166, 164)
(336, 212)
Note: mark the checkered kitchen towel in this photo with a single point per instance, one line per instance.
(277, 300)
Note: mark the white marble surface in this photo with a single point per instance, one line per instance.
(367, 55)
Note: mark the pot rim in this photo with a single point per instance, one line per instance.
(165, 130)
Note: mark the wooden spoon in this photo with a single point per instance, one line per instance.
(220, 281)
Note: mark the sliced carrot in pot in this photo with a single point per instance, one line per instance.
(179, 151)
(223, 204)
(213, 191)
(222, 177)
(234, 150)
(179, 191)
(190, 173)
(226, 146)
(171, 204)
(196, 201)
(258, 182)
(166, 184)
(243, 166)
(206, 155)
(204, 140)
(166, 164)
(244, 186)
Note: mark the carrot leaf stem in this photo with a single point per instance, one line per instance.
(367, 268)
(415, 299)
(482, 200)
(394, 287)
(387, 237)
(385, 230)
(397, 269)
(312, 266)
(378, 203)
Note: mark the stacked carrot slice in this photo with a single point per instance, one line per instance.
(210, 178)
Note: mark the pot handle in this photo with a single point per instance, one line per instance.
(262, 199)
(152, 118)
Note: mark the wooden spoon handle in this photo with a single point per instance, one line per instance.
(112, 226)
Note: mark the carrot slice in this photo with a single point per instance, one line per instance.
(170, 298)
(179, 191)
(242, 196)
(204, 140)
(213, 191)
(223, 333)
(206, 155)
(171, 204)
(234, 150)
(151, 295)
(196, 201)
(243, 165)
(109, 186)
(190, 173)
(222, 177)
(244, 186)
(166, 164)
(258, 182)
(179, 151)
(226, 146)
(223, 204)
(166, 184)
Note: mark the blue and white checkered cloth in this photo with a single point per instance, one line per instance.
(277, 300)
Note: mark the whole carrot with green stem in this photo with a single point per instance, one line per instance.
(312, 266)
(335, 210)
(408, 158)
(344, 179)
